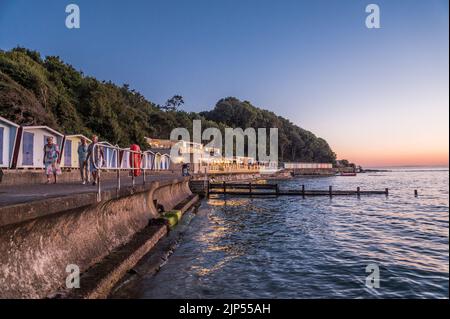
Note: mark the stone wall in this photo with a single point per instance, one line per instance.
(35, 253)
(37, 176)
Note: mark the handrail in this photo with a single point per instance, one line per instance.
(119, 155)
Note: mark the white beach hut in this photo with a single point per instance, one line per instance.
(69, 155)
(29, 148)
(165, 162)
(157, 162)
(112, 160)
(148, 160)
(125, 159)
(8, 135)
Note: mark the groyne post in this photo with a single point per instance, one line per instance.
(358, 191)
(416, 193)
(206, 182)
(386, 191)
(303, 191)
(330, 191)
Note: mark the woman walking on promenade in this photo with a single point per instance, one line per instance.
(83, 149)
(95, 158)
(51, 155)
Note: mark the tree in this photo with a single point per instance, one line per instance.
(294, 143)
(37, 91)
(344, 163)
(174, 103)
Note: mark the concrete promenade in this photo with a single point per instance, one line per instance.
(23, 202)
(44, 228)
(17, 194)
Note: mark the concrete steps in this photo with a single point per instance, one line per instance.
(97, 281)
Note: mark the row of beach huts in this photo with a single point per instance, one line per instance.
(22, 147)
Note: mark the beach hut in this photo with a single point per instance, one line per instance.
(111, 160)
(69, 158)
(165, 162)
(29, 148)
(148, 160)
(8, 136)
(112, 155)
(125, 159)
(157, 162)
(308, 165)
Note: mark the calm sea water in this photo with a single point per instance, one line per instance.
(290, 247)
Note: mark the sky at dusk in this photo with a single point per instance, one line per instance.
(378, 96)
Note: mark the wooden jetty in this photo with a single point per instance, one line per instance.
(251, 189)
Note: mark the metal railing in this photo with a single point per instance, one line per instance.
(120, 159)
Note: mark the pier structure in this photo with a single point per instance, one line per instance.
(257, 189)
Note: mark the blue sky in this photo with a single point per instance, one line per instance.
(378, 96)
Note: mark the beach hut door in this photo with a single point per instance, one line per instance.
(113, 159)
(27, 151)
(68, 154)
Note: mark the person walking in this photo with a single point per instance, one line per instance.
(95, 158)
(51, 155)
(82, 159)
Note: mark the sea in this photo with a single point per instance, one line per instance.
(374, 246)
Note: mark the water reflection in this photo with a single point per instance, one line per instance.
(316, 247)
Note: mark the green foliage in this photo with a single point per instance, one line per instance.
(174, 103)
(295, 144)
(37, 91)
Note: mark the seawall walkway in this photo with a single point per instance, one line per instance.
(19, 203)
(16, 194)
(45, 228)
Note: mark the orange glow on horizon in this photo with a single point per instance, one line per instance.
(379, 158)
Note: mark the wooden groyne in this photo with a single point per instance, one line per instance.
(252, 189)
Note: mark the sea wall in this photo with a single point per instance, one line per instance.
(320, 171)
(37, 176)
(228, 177)
(312, 171)
(35, 253)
